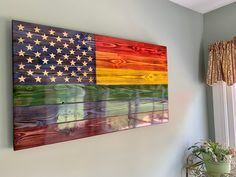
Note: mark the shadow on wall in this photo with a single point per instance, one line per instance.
(203, 63)
(201, 69)
(6, 85)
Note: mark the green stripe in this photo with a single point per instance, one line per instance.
(30, 95)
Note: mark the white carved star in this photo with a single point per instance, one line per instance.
(89, 48)
(85, 74)
(21, 53)
(52, 55)
(78, 47)
(37, 67)
(66, 68)
(90, 58)
(37, 54)
(66, 57)
(53, 79)
(72, 52)
(71, 40)
(45, 49)
(72, 63)
(52, 67)
(85, 63)
(73, 73)
(84, 53)
(22, 79)
(37, 29)
(29, 35)
(65, 45)
(59, 73)
(77, 36)
(29, 47)
(58, 39)
(30, 72)
(89, 38)
(30, 60)
(44, 37)
(78, 58)
(90, 79)
(59, 50)
(21, 66)
(90, 69)
(65, 34)
(37, 42)
(67, 79)
(21, 40)
(45, 61)
(45, 73)
(59, 62)
(51, 32)
(84, 42)
(20, 27)
(52, 43)
(79, 79)
(38, 79)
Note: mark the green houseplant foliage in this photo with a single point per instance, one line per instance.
(216, 157)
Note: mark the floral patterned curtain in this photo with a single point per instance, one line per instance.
(222, 62)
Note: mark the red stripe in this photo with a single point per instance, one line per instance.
(127, 47)
(37, 136)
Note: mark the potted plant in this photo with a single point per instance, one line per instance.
(216, 157)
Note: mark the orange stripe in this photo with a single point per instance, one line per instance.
(121, 61)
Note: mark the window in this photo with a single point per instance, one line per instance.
(224, 102)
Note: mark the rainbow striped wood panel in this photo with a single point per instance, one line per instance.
(70, 84)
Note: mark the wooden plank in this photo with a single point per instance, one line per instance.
(128, 47)
(74, 93)
(47, 80)
(70, 56)
(121, 61)
(61, 100)
(106, 76)
(37, 136)
(33, 116)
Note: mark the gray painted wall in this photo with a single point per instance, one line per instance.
(218, 25)
(157, 151)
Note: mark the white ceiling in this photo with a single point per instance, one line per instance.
(203, 6)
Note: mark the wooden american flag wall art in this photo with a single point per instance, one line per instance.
(71, 84)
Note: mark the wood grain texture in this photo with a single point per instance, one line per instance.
(32, 95)
(37, 136)
(33, 116)
(52, 44)
(124, 61)
(106, 76)
(120, 61)
(71, 84)
(128, 47)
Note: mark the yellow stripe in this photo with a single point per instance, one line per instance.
(123, 76)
